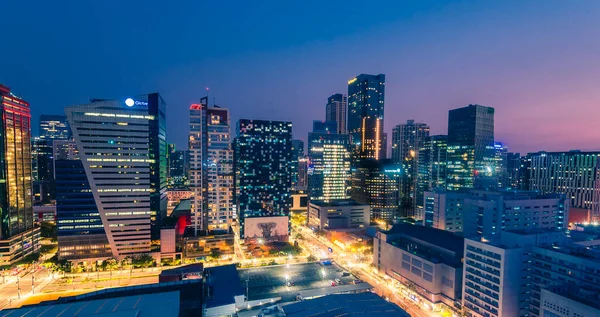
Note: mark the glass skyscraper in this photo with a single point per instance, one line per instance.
(122, 147)
(54, 127)
(336, 110)
(407, 140)
(376, 184)
(18, 236)
(329, 162)
(262, 159)
(365, 116)
(470, 145)
(211, 167)
(432, 167)
(297, 155)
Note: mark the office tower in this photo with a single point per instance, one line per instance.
(432, 167)
(337, 105)
(297, 154)
(81, 233)
(365, 116)
(470, 145)
(517, 171)
(211, 167)
(42, 170)
(54, 127)
(376, 184)
(407, 140)
(176, 166)
(329, 162)
(573, 173)
(428, 259)
(500, 167)
(18, 236)
(122, 148)
(262, 164)
(303, 168)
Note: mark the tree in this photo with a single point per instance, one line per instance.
(110, 264)
(126, 262)
(144, 261)
(48, 230)
(216, 254)
(311, 258)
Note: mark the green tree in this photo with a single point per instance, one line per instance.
(311, 258)
(48, 230)
(144, 261)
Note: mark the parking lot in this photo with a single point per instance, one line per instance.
(271, 281)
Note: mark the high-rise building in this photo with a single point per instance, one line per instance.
(337, 105)
(365, 116)
(42, 169)
(407, 140)
(211, 167)
(573, 173)
(517, 171)
(176, 166)
(297, 154)
(470, 145)
(329, 163)
(122, 148)
(18, 236)
(262, 164)
(432, 167)
(54, 127)
(303, 168)
(500, 171)
(376, 184)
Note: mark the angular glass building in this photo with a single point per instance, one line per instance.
(470, 145)
(122, 148)
(262, 164)
(329, 173)
(366, 94)
(336, 110)
(18, 236)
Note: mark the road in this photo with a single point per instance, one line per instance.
(320, 247)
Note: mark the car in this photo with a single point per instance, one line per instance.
(345, 274)
(333, 283)
(338, 281)
(290, 284)
(357, 281)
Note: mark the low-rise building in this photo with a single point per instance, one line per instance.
(338, 214)
(569, 301)
(427, 259)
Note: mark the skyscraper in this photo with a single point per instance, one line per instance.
(123, 150)
(176, 166)
(54, 127)
(330, 163)
(376, 184)
(263, 178)
(297, 154)
(432, 167)
(18, 236)
(211, 167)
(365, 116)
(470, 145)
(336, 110)
(407, 140)
(516, 169)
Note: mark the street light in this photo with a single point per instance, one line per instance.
(32, 285)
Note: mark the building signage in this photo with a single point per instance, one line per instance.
(130, 102)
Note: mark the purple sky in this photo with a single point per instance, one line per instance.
(536, 62)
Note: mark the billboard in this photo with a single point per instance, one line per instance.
(267, 228)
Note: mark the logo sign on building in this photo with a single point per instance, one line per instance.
(130, 102)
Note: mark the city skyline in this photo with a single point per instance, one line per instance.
(530, 78)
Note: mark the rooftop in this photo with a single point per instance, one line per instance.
(443, 239)
(361, 304)
(159, 304)
(336, 203)
(224, 285)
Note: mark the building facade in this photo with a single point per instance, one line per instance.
(262, 164)
(470, 150)
(336, 110)
(297, 154)
(54, 127)
(431, 167)
(366, 96)
(376, 184)
(427, 259)
(407, 141)
(122, 148)
(573, 173)
(338, 214)
(18, 236)
(329, 169)
(211, 167)
(176, 166)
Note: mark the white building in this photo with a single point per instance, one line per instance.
(562, 302)
(428, 259)
(496, 272)
(338, 214)
(211, 167)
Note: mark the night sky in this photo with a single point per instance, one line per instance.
(536, 62)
